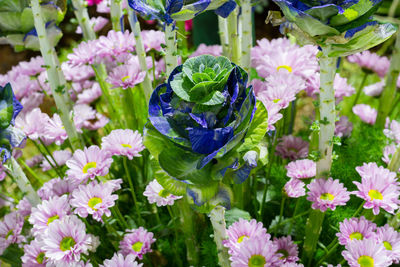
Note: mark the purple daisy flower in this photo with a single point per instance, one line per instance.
(366, 253)
(126, 76)
(60, 156)
(390, 239)
(155, 193)
(89, 95)
(10, 230)
(327, 193)
(153, 40)
(292, 148)
(343, 127)
(300, 169)
(379, 188)
(31, 123)
(294, 188)
(115, 44)
(54, 130)
(365, 113)
(118, 260)
(355, 229)
(273, 110)
(137, 242)
(371, 61)
(55, 187)
(84, 53)
(287, 249)
(123, 142)
(374, 89)
(77, 74)
(88, 163)
(65, 240)
(242, 230)
(24, 207)
(34, 255)
(46, 213)
(32, 67)
(257, 251)
(342, 88)
(95, 199)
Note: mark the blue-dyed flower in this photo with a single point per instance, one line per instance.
(10, 136)
(346, 25)
(180, 10)
(197, 120)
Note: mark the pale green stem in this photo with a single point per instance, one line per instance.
(171, 60)
(183, 44)
(393, 7)
(217, 218)
(132, 189)
(141, 53)
(394, 164)
(22, 181)
(55, 76)
(187, 226)
(312, 230)
(82, 15)
(40, 180)
(223, 29)
(116, 14)
(389, 92)
(233, 36)
(247, 34)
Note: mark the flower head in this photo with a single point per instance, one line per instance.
(60, 156)
(116, 43)
(300, 169)
(24, 207)
(392, 131)
(355, 229)
(137, 242)
(118, 260)
(295, 188)
(343, 127)
(123, 142)
(34, 255)
(153, 40)
(287, 248)
(155, 193)
(366, 113)
(374, 89)
(291, 147)
(390, 239)
(126, 76)
(10, 230)
(366, 253)
(371, 61)
(84, 53)
(31, 123)
(327, 194)
(54, 130)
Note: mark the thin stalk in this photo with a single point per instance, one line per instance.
(141, 53)
(187, 226)
(359, 90)
(217, 218)
(155, 209)
(82, 16)
(393, 7)
(49, 153)
(233, 36)
(273, 228)
(116, 15)
(55, 76)
(31, 172)
(247, 34)
(223, 37)
(182, 35)
(153, 68)
(171, 60)
(128, 175)
(389, 92)
(120, 217)
(176, 227)
(48, 160)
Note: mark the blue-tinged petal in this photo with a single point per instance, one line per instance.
(10, 138)
(200, 119)
(189, 11)
(9, 106)
(205, 141)
(146, 10)
(17, 109)
(173, 6)
(350, 33)
(250, 159)
(226, 9)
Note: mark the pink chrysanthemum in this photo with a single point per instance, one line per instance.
(155, 193)
(203, 49)
(116, 43)
(379, 188)
(295, 188)
(118, 260)
(95, 199)
(97, 23)
(32, 67)
(365, 113)
(371, 61)
(287, 249)
(392, 131)
(10, 230)
(312, 85)
(257, 251)
(126, 76)
(88, 163)
(327, 193)
(34, 255)
(343, 127)
(31, 101)
(31, 123)
(342, 88)
(242, 230)
(77, 73)
(273, 110)
(366, 252)
(153, 40)
(84, 53)
(24, 207)
(355, 229)
(374, 89)
(89, 95)
(292, 148)
(54, 130)
(65, 240)
(388, 153)
(55, 187)
(60, 156)
(390, 239)
(300, 169)
(123, 142)
(137, 242)
(43, 215)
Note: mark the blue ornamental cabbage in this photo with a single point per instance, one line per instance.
(180, 10)
(10, 137)
(197, 120)
(346, 25)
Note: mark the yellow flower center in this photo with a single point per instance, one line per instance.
(123, 79)
(52, 218)
(356, 235)
(240, 239)
(137, 246)
(350, 14)
(93, 202)
(257, 261)
(387, 245)
(88, 166)
(163, 193)
(374, 194)
(40, 258)
(126, 145)
(286, 67)
(327, 196)
(67, 243)
(366, 261)
(276, 100)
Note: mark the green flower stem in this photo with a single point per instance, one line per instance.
(45, 156)
(171, 60)
(129, 177)
(394, 164)
(116, 14)
(117, 213)
(233, 37)
(82, 15)
(22, 181)
(49, 153)
(175, 242)
(182, 35)
(359, 90)
(274, 228)
(217, 218)
(31, 172)
(55, 76)
(312, 230)
(386, 100)
(141, 53)
(187, 226)
(247, 34)
(223, 38)
(393, 7)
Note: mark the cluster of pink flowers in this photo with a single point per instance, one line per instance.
(155, 193)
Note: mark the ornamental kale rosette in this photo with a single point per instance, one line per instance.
(345, 25)
(10, 136)
(197, 120)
